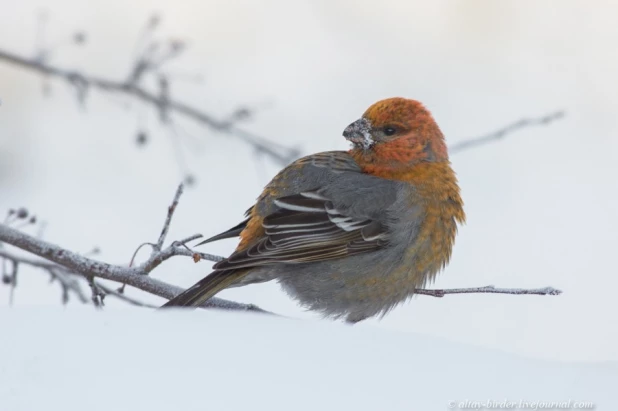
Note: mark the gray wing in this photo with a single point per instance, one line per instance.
(319, 208)
(319, 169)
(309, 227)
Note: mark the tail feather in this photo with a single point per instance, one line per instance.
(206, 288)
(232, 232)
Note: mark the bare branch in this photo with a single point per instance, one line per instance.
(137, 277)
(98, 296)
(505, 131)
(55, 271)
(160, 100)
(123, 297)
(490, 289)
(13, 279)
(70, 262)
(168, 219)
(134, 276)
(68, 282)
(137, 251)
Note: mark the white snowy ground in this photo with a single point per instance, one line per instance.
(54, 359)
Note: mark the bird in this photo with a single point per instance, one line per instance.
(350, 234)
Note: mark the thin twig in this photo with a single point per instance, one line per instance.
(158, 256)
(124, 297)
(503, 132)
(490, 289)
(153, 245)
(13, 277)
(98, 295)
(161, 101)
(168, 219)
(68, 282)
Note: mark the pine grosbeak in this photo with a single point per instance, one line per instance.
(351, 234)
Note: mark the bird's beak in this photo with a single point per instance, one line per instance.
(359, 133)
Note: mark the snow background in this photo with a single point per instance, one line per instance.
(126, 360)
(541, 205)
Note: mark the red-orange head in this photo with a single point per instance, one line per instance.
(397, 130)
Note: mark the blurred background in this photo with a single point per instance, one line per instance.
(541, 203)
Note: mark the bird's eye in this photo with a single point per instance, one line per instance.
(389, 131)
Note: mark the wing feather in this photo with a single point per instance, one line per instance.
(308, 227)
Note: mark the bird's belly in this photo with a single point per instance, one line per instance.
(355, 288)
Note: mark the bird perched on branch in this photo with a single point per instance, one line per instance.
(351, 234)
